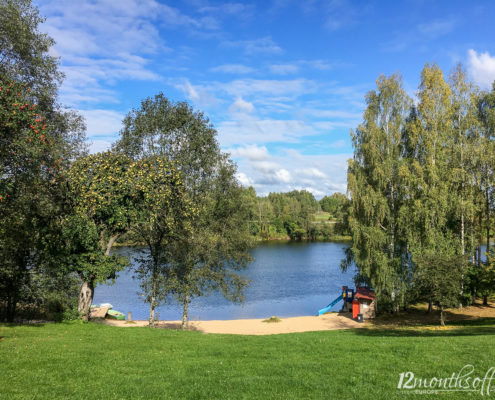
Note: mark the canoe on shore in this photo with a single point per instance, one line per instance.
(114, 314)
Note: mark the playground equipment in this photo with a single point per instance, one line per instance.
(360, 302)
(347, 295)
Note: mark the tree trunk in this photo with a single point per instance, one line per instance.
(152, 312)
(110, 244)
(485, 300)
(430, 307)
(487, 221)
(442, 320)
(185, 311)
(153, 295)
(86, 294)
(11, 307)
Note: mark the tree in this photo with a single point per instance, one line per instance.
(178, 133)
(485, 168)
(439, 277)
(25, 57)
(209, 263)
(100, 195)
(375, 177)
(163, 217)
(32, 154)
(333, 204)
(29, 176)
(25, 51)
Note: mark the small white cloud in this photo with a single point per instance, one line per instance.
(264, 45)
(241, 106)
(482, 68)
(102, 122)
(312, 173)
(190, 91)
(283, 175)
(98, 146)
(233, 69)
(436, 28)
(284, 69)
(196, 93)
(252, 153)
(244, 179)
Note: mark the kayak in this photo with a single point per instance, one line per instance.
(114, 314)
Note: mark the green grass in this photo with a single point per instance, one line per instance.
(91, 361)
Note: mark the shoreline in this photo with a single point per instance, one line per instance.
(332, 321)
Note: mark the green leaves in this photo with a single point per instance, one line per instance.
(421, 181)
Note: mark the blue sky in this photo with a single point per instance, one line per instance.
(282, 81)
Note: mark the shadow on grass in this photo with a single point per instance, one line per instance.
(16, 324)
(427, 331)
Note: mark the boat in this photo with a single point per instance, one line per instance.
(114, 314)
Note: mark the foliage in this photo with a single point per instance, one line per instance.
(294, 215)
(25, 51)
(29, 177)
(333, 204)
(439, 278)
(374, 184)
(163, 214)
(421, 182)
(205, 258)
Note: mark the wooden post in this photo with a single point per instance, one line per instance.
(129, 318)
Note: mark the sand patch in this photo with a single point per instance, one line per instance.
(257, 326)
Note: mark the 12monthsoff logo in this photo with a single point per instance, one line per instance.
(466, 380)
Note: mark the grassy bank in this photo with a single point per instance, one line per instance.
(90, 361)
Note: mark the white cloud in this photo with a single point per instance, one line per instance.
(420, 34)
(99, 146)
(482, 68)
(290, 170)
(244, 179)
(102, 122)
(253, 130)
(264, 45)
(241, 106)
(311, 172)
(283, 175)
(252, 153)
(198, 94)
(245, 87)
(233, 69)
(102, 42)
(436, 28)
(284, 69)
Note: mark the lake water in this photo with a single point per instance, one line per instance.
(287, 279)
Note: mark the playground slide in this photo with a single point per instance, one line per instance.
(327, 308)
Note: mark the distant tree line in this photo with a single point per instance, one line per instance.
(421, 184)
(296, 215)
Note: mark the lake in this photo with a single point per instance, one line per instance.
(287, 279)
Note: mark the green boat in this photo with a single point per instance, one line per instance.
(114, 314)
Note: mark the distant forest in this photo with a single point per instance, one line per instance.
(297, 215)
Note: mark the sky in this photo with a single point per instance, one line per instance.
(282, 81)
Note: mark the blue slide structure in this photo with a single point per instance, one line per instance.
(327, 308)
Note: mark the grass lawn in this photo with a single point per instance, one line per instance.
(91, 361)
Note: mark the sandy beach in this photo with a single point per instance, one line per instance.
(256, 326)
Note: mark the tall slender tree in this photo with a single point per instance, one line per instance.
(374, 185)
(178, 133)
